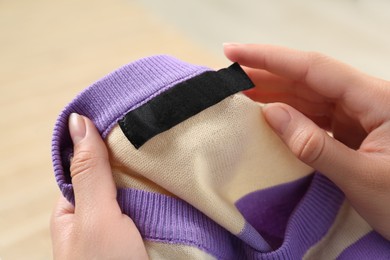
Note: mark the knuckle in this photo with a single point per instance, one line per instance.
(315, 61)
(317, 57)
(308, 145)
(82, 162)
(319, 60)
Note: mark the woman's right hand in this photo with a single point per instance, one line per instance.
(319, 94)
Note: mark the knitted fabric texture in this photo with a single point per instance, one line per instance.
(218, 184)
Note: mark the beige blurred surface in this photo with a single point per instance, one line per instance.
(49, 51)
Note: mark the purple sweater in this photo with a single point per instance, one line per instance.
(203, 176)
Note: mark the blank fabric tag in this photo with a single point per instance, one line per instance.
(182, 101)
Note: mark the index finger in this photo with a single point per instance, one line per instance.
(328, 77)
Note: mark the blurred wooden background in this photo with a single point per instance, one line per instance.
(50, 50)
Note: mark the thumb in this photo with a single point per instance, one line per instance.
(90, 169)
(311, 144)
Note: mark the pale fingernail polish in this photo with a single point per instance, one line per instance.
(77, 127)
(278, 118)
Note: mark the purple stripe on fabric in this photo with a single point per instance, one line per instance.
(371, 246)
(107, 100)
(310, 220)
(170, 220)
(269, 210)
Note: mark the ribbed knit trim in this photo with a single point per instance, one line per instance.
(170, 220)
(110, 98)
(268, 210)
(312, 218)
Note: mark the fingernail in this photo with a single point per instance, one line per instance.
(277, 117)
(77, 127)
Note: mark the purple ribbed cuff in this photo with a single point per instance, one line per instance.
(171, 220)
(110, 98)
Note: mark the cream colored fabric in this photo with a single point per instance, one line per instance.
(210, 160)
(162, 251)
(125, 178)
(348, 227)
